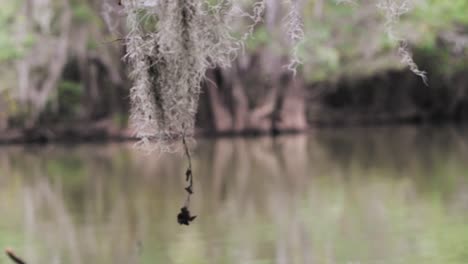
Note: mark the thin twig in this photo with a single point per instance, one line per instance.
(112, 41)
(13, 256)
(185, 217)
(188, 173)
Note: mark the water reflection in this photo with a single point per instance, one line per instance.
(345, 196)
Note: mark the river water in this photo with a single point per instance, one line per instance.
(351, 196)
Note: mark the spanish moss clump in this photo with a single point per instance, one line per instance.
(255, 18)
(393, 10)
(295, 32)
(170, 46)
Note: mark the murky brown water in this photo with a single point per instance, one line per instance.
(376, 195)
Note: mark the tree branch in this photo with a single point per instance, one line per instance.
(14, 257)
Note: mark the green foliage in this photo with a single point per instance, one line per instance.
(8, 51)
(8, 48)
(92, 44)
(447, 62)
(260, 38)
(442, 14)
(120, 120)
(69, 97)
(69, 91)
(68, 168)
(83, 13)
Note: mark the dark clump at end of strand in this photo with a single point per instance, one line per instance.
(185, 217)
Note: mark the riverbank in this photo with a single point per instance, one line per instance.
(393, 97)
(100, 131)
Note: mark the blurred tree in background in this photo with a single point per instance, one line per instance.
(59, 64)
(54, 64)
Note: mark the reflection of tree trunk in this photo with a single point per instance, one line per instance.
(242, 172)
(295, 166)
(45, 199)
(222, 155)
(264, 156)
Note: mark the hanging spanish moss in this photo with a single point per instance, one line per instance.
(393, 10)
(170, 46)
(295, 32)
